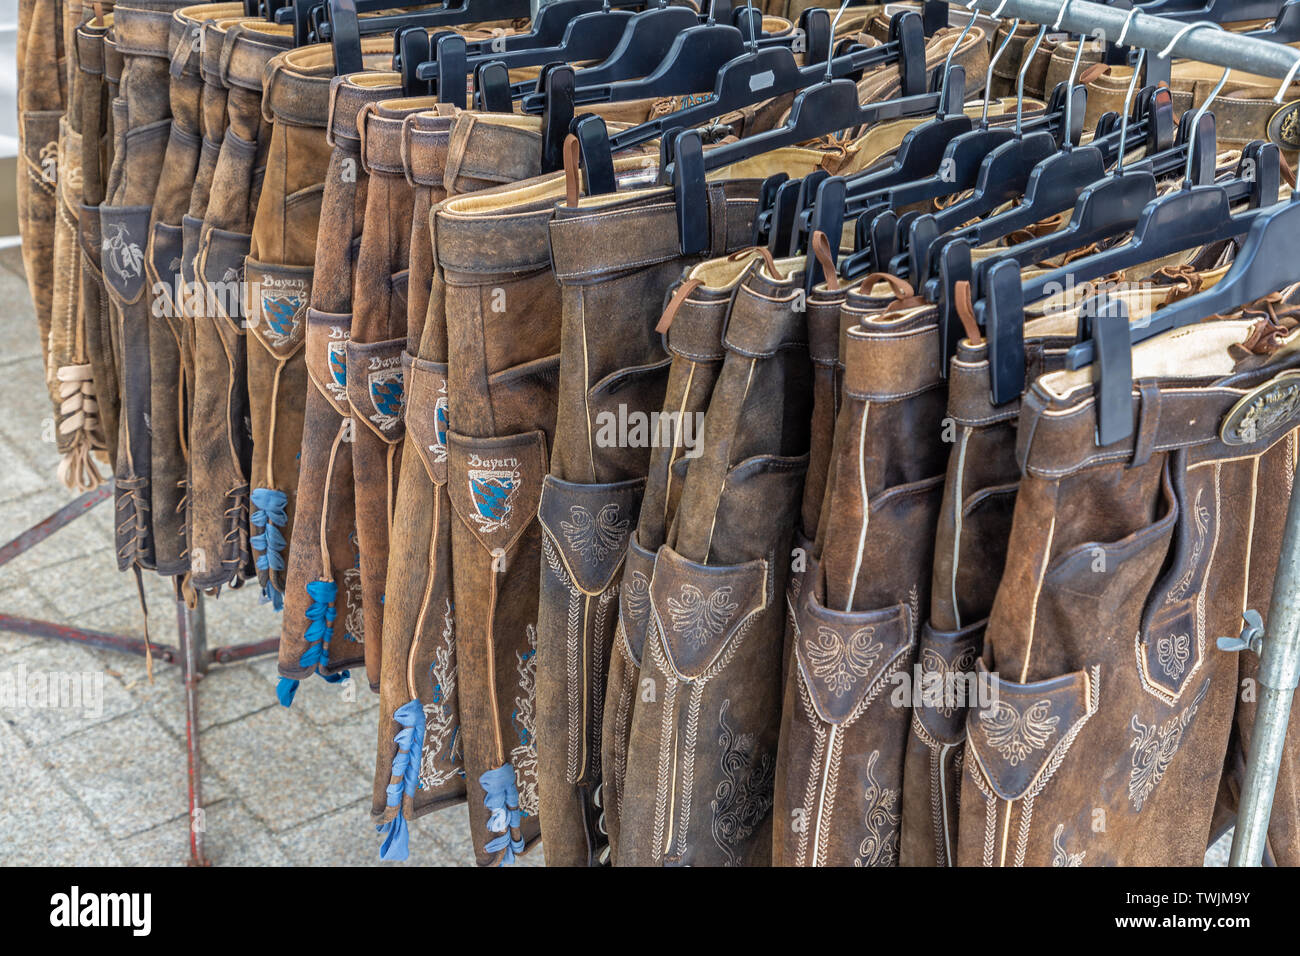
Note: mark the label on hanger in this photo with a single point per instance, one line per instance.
(1284, 127)
(761, 81)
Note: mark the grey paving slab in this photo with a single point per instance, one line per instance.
(58, 691)
(19, 598)
(130, 773)
(283, 768)
(226, 694)
(348, 838)
(231, 835)
(39, 821)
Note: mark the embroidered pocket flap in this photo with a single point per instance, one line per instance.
(947, 681)
(277, 306)
(590, 526)
(327, 356)
(375, 385)
(701, 609)
(495, 483)
(426, 413)
(634, 598)
(124, 237)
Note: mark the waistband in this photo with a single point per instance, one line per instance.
(1235, 414)
(381, 127)
(143, 31)
(893, 355)
(214, 41)
(347, 96)
(511, 144)
(90, 46)
(591, 240)
(426, 137)
(763, 320)
(112, 61)
(187, 33)
(249, 47)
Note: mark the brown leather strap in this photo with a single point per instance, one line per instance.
(571, 154)
(681, 295)
(762, 251)
(821, 247)
(966, 311)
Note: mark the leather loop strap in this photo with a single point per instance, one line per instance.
(670, 310)
(821, 247)
(966, 311)
(572, 186)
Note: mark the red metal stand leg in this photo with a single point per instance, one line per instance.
(194, 664)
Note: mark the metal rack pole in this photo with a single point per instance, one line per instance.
(1154, 33)
(1279, 648)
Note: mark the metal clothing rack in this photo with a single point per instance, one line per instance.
(192, 651)
(1279, 648)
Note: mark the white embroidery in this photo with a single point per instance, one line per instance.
(1154, 749)
(1015, 735)
(697, 618)
(1060, 857)
(595, 538)
(524, 756)
(442, 744)
(840, 663)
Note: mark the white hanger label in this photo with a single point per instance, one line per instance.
(761, 81)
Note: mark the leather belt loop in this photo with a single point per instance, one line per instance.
(404, 148)
(1148, 424)
(362, 117)
(329, 121)
(717, 221)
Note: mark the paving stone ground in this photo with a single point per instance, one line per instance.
(106, 785)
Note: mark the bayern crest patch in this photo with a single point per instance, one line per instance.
(284, 302)
(385, 388)
(338, 383)
(494, 484)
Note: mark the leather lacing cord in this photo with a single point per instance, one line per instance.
(1266, 335)
(80, 412)
(1037, 230)
(1184, 280)
(905, 296)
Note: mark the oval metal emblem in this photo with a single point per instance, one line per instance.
(1284, 127)
(1263, 411)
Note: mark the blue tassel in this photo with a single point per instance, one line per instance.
(285, 690)
(321, 612)
(406, 768)
(269, 517)
(501, 797)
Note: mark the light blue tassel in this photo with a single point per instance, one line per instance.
(501, 797)
(406, 768)
(269, 517)
(321, 613)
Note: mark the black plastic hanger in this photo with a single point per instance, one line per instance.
(1285, 27)
(1217, 11)
(343, 29)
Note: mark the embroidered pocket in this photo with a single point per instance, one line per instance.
(277, 305)
(375, 385)
(427, 413)
(589, 526)
(327, 356)
(495, 484)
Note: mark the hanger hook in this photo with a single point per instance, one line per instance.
(1290, 76)
(1164, 54)
(947, 64)
(834, 23)
(1060, 14)
(1128, 21)
(1069, 86)
(754, 29)
(1128, 105)
(1196, 119)
(988, 78)
(1020, 79)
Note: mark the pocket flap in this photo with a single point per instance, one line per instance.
(374, 384)
(946, 673)
(1019, 739)
(327, 357)
(700, 608)
(277, 306)
(495, 484)
(165, 261)
(426, 413)
(590, 526)
(221, 264)
(124, 237)
(634, 597)
(844, 655)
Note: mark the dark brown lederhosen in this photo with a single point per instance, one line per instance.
(141, 122)
(970, 552)
(79, 433)
(839, 772)
(613, 370)
(322, 599)
(220, 440)
(694, 342)
(1113, 709)
(279, 271)
(374, 355)
(100, 65)
(703, 741)
(170, 366)
(443, 153)
(42, 99)
(212, 120)
(418, 667)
